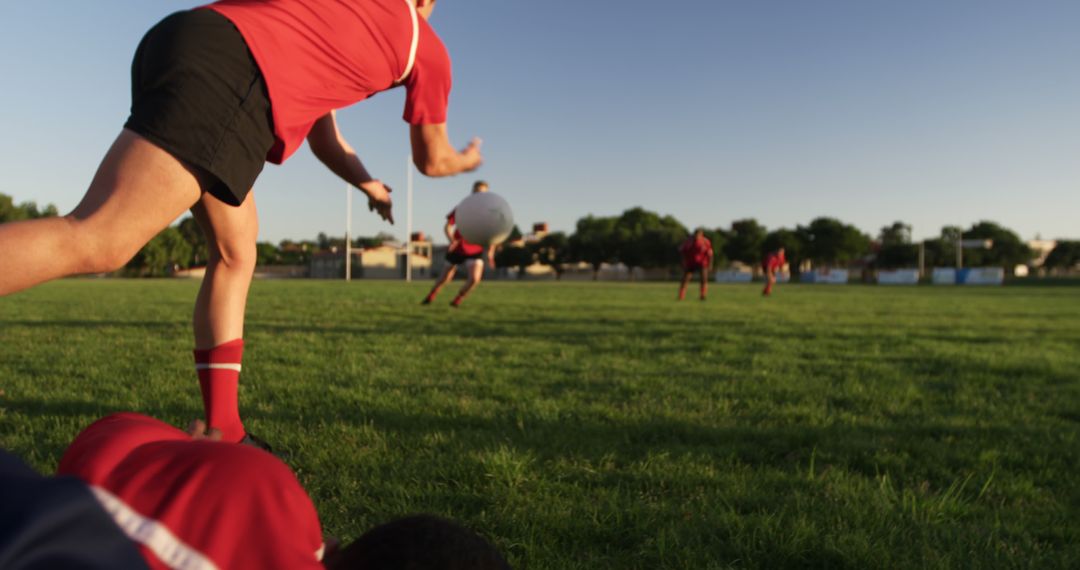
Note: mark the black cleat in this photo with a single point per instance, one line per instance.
(256, 442)
(426, 301)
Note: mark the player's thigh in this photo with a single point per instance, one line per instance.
(475, 268)
(231, 231)
(138, 190)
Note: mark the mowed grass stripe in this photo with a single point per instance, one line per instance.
(604, 425)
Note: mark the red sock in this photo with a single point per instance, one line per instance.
(219, 381)
(457, 301)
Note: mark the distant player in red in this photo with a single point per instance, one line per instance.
(190, 501)
(461, 252)
(774, 262)
(697, 256)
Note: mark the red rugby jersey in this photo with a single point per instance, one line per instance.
(775, 261)
(321, 55)
(696, 252)
(463, 246)
(196, 504)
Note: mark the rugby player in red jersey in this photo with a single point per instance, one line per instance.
(134, 492)
(697, 256)
(461, 252)
(217, 92)
(774, 261)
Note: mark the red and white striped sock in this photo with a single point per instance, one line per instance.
(219, 380)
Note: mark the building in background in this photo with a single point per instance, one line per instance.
(384, 261)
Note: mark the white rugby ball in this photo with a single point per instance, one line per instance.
(484, 218)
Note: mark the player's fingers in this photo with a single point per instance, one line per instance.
(196, 429)
(388, 189)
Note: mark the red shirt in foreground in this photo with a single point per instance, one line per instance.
(774, 261)
(196, 504)
(695, 252)
(462, 246)
(320, 55)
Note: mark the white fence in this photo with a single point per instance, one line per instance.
(898, 277)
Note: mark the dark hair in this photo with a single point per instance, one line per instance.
(478, 184)
(419, 542)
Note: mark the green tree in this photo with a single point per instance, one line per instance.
(1065, 256)
(593, 242)
(161, 255)
(830, 242)
(896, 250)
(296, 253)
(11, 212)
(553, 250)
(193, 234)
(744, 241)
(941, 252)
(1007, 250)
(719, 238)
(644, 239)
(267, 253)
(517, 255)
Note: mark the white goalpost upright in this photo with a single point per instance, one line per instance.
(348, 232)
(408, 219)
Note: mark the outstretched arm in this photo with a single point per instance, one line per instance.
(335, 152)
(434, 156)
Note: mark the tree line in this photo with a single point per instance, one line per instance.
(637, 238)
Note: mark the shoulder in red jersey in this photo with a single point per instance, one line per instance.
(162, 492)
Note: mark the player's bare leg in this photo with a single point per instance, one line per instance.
(770, 280)
(704, 284)
(231, 232)
(475, 267)
(447, 276)
(138, 190)
(686, 277)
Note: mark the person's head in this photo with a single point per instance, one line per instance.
(424, 8)
(780, 251)
(479, 186)
(699, 233)
(418, 542)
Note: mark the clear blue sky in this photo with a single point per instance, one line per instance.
(927, 111)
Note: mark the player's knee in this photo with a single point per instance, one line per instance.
(238, 254)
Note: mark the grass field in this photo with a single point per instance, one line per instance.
(596, 426)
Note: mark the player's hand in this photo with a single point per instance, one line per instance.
(197, 430)
(491, 261)
(379, 199)
(472, 156)
(454, 244)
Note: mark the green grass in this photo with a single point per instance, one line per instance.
(583, 425)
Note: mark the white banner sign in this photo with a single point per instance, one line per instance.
(898, 277)
(943, 276)
(830, 276)
(981, 276)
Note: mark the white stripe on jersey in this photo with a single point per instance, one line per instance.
(150, 533)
